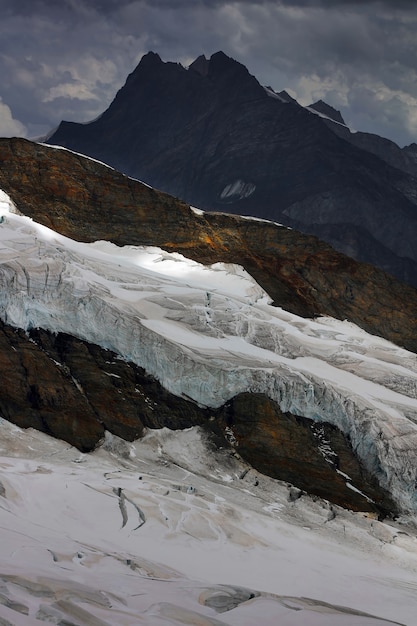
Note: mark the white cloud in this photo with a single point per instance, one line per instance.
(309, 89)
(397, 109)
(74, 91)
(9, 127)
(82, 81)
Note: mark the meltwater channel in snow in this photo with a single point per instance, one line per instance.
(209, 333)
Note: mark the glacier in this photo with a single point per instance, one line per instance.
(208, 333)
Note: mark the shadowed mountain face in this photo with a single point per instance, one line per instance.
(75, 390)
(213, 136)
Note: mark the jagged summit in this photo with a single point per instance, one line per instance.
(221, 61)
(217, 65)
(286, 96)
(150, 58)
(200, 65)
(328, 111)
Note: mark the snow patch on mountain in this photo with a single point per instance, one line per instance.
(208, 333)
(238, 190)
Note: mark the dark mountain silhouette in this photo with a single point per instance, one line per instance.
(213, 136)
(328, 111)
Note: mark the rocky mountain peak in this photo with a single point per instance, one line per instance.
(328, 111)
(229, 78)
(150, 62)
(221, 65)
(150, 58)
(200, 65)
(286, 96)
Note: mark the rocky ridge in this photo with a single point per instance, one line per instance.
(88, 201)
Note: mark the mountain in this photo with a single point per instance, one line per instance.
(214, 137)
(232, 405)
(327, 111)
(66, 288)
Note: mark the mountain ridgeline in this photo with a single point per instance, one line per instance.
(214, 137)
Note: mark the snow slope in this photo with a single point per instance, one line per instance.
(162, 532)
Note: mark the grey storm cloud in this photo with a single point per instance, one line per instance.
(66, 59)
(23, 7)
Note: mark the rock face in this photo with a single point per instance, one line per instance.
(36, 393)
(298, 450)
(213, 136)
(75, 390)
(328, 111)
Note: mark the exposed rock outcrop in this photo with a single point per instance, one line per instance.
(74, 390)
(38, 392)
(315, 457)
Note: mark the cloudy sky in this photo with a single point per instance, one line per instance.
(66, 59)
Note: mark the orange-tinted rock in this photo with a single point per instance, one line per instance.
(314, 457)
